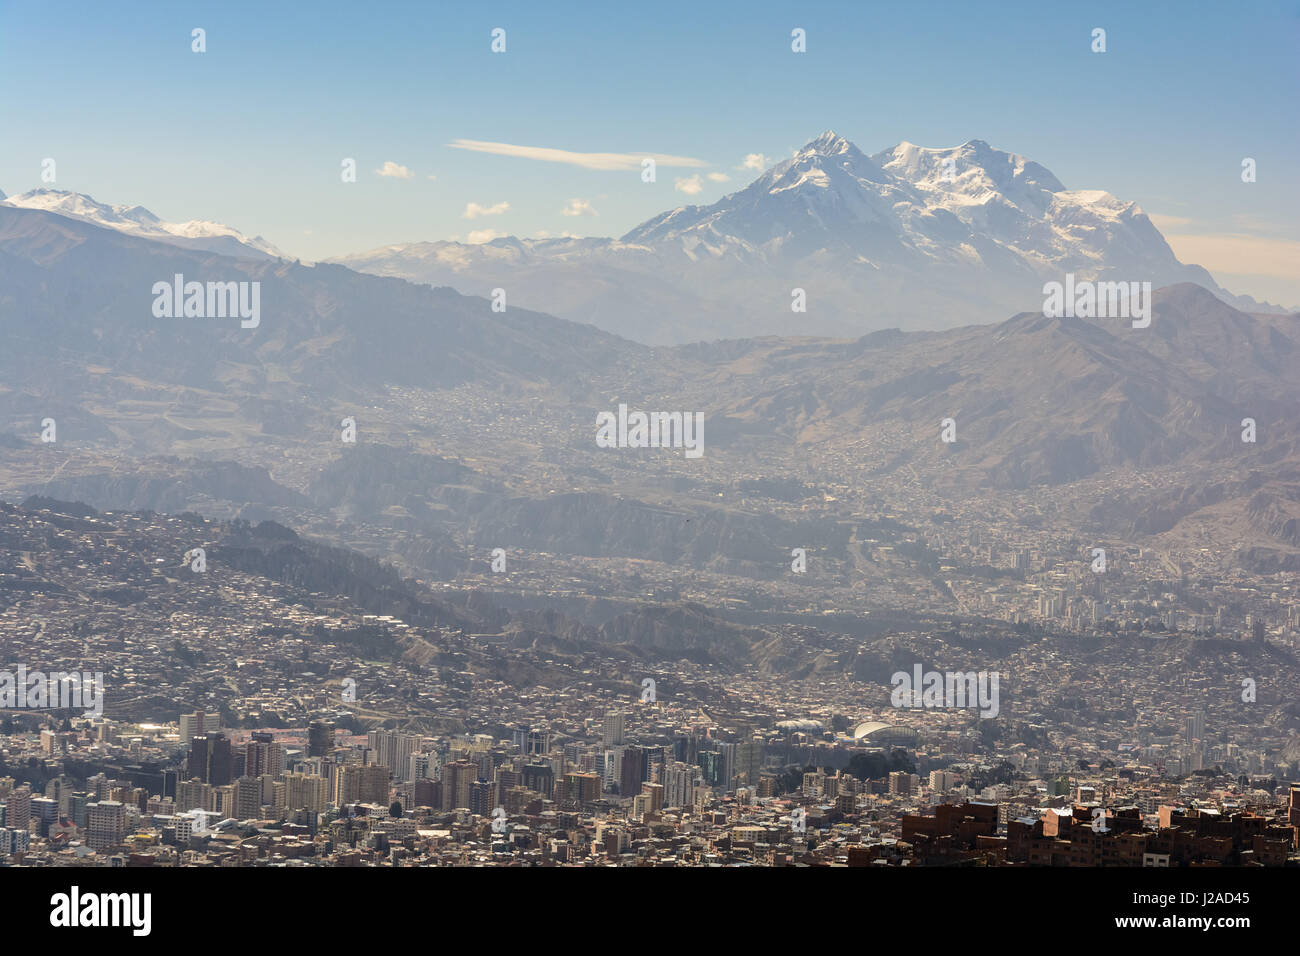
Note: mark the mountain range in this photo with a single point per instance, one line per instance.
(911, 237)
(85, 291)
(138, 221)
(1038, 401)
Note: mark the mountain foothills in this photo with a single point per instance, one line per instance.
(912, 237)
(474, 429)
(67, 283)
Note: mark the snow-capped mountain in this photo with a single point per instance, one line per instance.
(911, 237)
(899, 205)
(138, 221)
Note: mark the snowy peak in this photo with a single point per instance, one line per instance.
(963, 202)
(820, 195)
(138, 221)
(830, 144)
(827, 159)
(972, 166)
(81, 206)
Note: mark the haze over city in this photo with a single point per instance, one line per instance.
(743, 436)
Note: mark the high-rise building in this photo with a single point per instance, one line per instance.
(427, 793)
(45, 811)
(194, 724)
(394, 750)
(749, 761)
(486, 766)
(222, 800)
(942, 780)
(14, 841)
(320, 738)
(582, 788)
(57, 789)
(77, 803)
(508, 777)
(191, 795)
(813, 783)
(900, 781)
(105, 824)
(537, 777)
(248, 798)
(305, 791)
(712, 766)
(680, 781)
(483, 797)
(632, 772)
(367, 784)
(423, 766)
(211, 759)
(613, 729)
(18, 814)
(263, 754)
(654, 794)
(457, 775)
(532, 741)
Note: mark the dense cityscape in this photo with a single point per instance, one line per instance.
(267, 723)
(713, 443)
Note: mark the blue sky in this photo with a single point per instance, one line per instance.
(252, 132)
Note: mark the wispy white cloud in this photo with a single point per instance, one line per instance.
(755, 161)
(474, 210)
(691, 185)
(720, 177)
(480, 236)
(578, 207)
(585, 160)
(394, 171)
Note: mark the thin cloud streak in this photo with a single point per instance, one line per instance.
(603, 161)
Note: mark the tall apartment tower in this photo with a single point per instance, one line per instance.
(366, 784)
(263, 754)
(613, 729)
(105, 824)
(194, 724)
(457, 775)
(394, 750)
(18, 814)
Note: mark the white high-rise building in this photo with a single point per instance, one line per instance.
(424, 766)
(680, 781)
(393, 750)
(613, 729)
